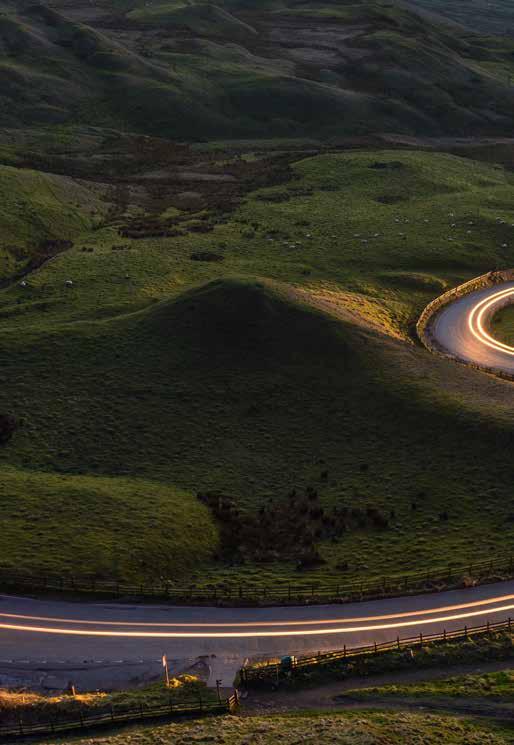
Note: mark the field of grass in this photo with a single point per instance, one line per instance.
(359, 728)
(34, 708)
(287, 364)
(492, 686)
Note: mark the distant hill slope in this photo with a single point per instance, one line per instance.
(241, 68)
(493, 16)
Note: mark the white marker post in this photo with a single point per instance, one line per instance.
(166, 670)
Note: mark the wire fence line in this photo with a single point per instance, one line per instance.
(271, 670)
(80, 721)
(335, 590)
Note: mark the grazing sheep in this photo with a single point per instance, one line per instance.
(69, 283)
(23, 283)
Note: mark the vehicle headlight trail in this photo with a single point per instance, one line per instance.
(476, 320)
(248, 634)
(253, 624)
(462, 328)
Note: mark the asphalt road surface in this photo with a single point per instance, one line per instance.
(462, 328)
(47, 644)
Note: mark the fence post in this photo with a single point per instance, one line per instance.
(465, 632)
(398, 641)
(112, 713)
(344, 651)
(509, 624)
(375, 645)
(444, 634)
(488, 627)
(420, 639)
(20, 723)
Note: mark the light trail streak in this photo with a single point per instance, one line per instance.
(307, 622)
(248, 634)
(476, 321)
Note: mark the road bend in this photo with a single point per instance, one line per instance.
(47, 643)
(463, 328)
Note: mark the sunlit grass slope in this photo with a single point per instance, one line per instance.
(37, 207)
(359, 728)
(286, 364)
(75, 524)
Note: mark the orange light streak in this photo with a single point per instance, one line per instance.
(248, 634)
(476, 321)
(310, 622)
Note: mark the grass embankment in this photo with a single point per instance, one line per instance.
(494, 646)
(140, 374)
(33, 708)
(359, 728)
(497, 686)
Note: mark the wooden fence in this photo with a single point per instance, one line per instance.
(119, 717)
(271, 671)
(278, 593)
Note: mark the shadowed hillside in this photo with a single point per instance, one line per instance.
(234, 69)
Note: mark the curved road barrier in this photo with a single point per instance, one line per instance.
(273, 670)
(456, 325)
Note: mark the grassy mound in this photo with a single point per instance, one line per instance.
(37, 210)
(127, 528)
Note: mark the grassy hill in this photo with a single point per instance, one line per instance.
(237, 69)
(278, 381)
(494, 17)
(37, 210)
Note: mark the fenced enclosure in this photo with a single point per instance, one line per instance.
(119, 716)
(268, 672)
(336, 590)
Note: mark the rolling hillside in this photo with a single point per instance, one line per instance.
(493, 16)
(259, 371)
(237, 69)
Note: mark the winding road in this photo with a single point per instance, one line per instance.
(462, 328)
(46, 643)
